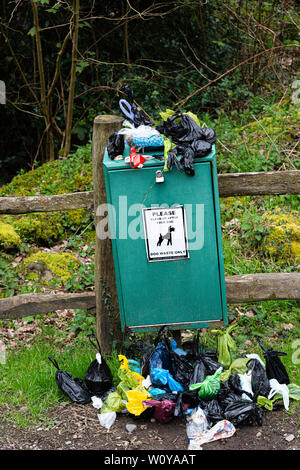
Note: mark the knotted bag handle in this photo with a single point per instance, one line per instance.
(54, 362)
(126, 109)
(97, 346)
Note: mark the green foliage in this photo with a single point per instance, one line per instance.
(83, 322)
(57, 177)
(28, 389)
(179, 49)
(282, 240)
(263, 143)
(8, 277)
(83, 279)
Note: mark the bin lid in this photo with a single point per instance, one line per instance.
(157, 161)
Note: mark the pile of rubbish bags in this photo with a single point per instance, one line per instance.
(213, 391)
(179, 135)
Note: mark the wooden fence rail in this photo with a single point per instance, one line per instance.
(230, 184)
(58, 202)
(239, 289)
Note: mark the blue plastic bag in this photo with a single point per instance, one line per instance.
(134, 365)
(156, 391)
(178, 351)
(160, 359)
(161, 376)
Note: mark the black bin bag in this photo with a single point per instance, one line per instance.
(185, 399)
(157, 356)
(191, 140)
(199, 372)
(115, 145)
(98, 377)
(274, 367)
(246, 412)
(213, 411)
(75, 389)
(259, 379)
(179, 367)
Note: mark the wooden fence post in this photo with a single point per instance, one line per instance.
(108, 326)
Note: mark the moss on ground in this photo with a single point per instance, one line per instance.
(69, 175)
(39, 265)
(8, 237)
(283, 239)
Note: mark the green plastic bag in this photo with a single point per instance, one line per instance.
(128, 379)
(113, 403)
(294, 391)
(210, 386)
(122, 389)
(266, 402)
(238, 366)
(225, 345)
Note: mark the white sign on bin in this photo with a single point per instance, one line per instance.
(165, 233)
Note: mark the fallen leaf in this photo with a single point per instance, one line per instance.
(288, 326)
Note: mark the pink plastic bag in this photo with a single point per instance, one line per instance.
(164, 409)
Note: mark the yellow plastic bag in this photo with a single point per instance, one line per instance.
(125, 365)
(135, 400)
(169, 112)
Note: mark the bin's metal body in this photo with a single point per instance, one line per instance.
(186, 292)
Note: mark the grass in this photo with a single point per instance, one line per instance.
(28, 389)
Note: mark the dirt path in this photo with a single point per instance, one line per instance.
(77, 428)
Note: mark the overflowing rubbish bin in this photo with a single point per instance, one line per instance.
(163, 205)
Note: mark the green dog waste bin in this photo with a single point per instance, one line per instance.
(167, 246)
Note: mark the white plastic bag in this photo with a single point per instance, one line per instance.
(255, 356)
(281, 389)
(141, 131)
(246, 386)
(196, 426)
(99, 358)
(107, 419)
(147, 382)
(97, 402)
(222, 430)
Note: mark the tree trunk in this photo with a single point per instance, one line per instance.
(68, 132)
(44, 103)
